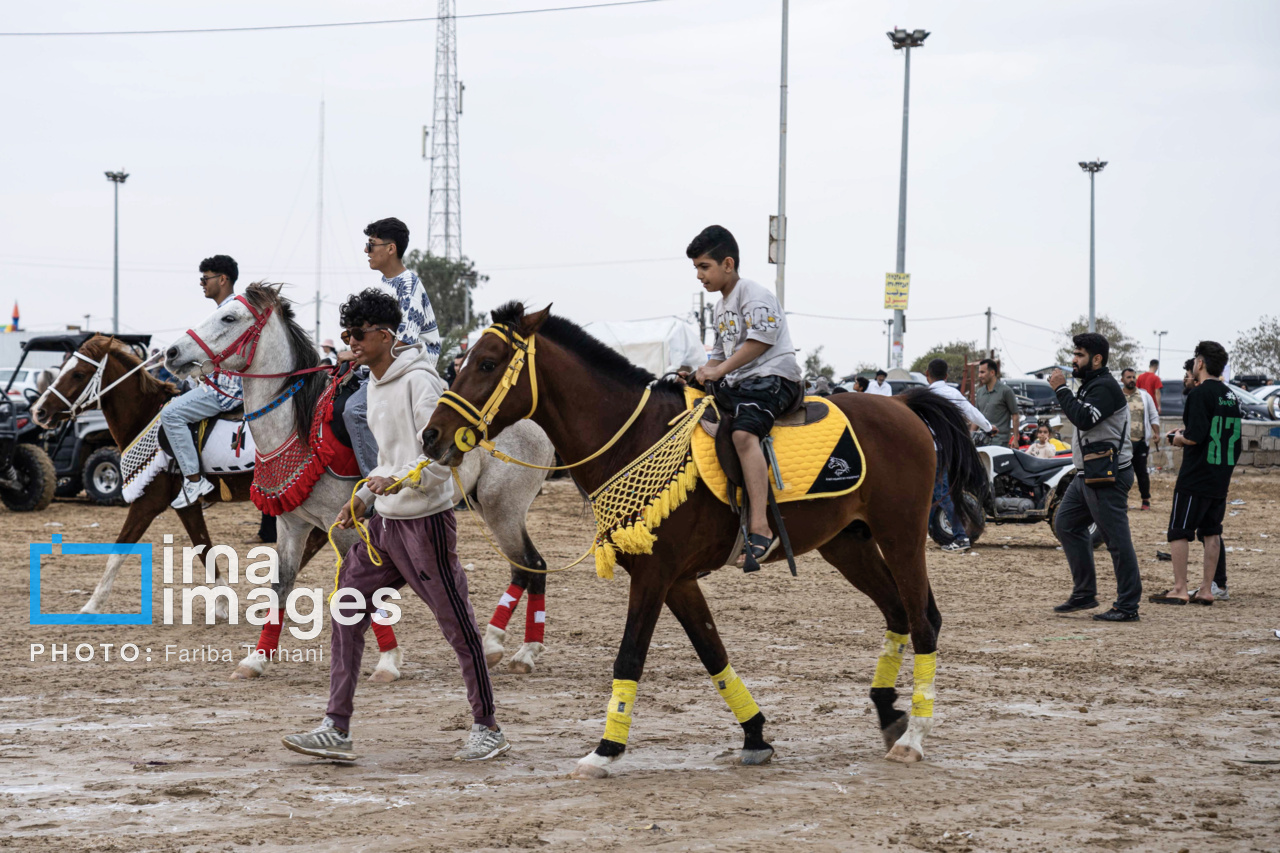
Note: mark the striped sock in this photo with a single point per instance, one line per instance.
(507, 606)
(386, 636)
(535, 618)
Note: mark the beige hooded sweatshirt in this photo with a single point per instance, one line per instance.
(400, 404)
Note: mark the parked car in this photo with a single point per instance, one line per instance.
(24, 378)
(1172, 403)
(1251, 406)
(1266, 392)
(1035, 396)
(900, 385)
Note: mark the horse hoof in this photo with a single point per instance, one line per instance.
(524, 660)
(243, 673)
(592, 766)
(388, 668)
(90, 606)
(895, 730)
(904, 754)
(756, 757)
(493, 639)
(383, 676)
(519, 667)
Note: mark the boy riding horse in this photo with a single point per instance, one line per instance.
(752, 372)
(218, 279)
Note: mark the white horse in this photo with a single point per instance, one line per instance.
(257, 335)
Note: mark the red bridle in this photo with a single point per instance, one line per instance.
(246, 345)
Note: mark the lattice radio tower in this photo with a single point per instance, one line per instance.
(444, 225)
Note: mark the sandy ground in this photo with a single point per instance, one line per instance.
(1052, 733)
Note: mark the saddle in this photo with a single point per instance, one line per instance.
(203, 429)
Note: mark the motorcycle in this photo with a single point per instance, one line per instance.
(1022, 489)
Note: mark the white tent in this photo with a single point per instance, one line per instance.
(659, 346)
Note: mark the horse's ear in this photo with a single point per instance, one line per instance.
(533, 322)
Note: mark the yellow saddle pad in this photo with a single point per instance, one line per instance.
(818, 460)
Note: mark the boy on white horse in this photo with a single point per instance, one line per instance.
(218, 279)
(413, 532)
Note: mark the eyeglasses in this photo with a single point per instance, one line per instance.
(349, 335)
(205, 279)
(370, 246)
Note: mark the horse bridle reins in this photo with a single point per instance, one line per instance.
(93, 391)
(524, 351)
(247, 346)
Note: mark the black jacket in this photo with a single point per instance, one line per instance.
(1099, 412)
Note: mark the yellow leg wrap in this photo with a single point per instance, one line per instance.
(890, 659)
(922, 694)
(736, 694)
(618, 719)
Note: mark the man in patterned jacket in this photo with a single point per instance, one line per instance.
(388, 239)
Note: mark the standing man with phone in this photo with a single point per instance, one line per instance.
(1100, 415)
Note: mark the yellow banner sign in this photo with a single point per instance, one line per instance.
(897, 286)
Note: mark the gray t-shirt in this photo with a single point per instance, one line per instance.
(751, 313)
(998, 405)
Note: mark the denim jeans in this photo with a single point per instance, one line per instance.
(356, 419)
(192, 406)
(1108, 507)
(942, 497)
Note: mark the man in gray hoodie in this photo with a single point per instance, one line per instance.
(414, 533)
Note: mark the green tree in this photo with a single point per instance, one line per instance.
(1258, 350)
(815, 366)
(955, 354)
(1124, 349)
(449, 285)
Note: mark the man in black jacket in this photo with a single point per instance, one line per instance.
(1100, 415)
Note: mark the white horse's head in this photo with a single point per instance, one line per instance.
(223, 334)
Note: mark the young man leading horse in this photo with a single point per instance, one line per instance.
(218, 280)
(752, 372)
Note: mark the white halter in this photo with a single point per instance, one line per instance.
(93, 391)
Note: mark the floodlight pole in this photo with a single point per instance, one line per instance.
(780, 284)
(904, 41)
(1159, 341)
(1092, 168)
(116, 178)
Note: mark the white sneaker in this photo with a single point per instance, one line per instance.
(1220, 593)
(482, 745)
(957, 545)
(323, 742)
(191, 492)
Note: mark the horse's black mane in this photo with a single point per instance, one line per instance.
(261, 296)
(568, 334)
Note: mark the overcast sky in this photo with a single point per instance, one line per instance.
(595, 144)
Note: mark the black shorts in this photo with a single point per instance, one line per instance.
(755, 403)
(1195, 517)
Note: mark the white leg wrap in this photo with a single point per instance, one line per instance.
(494, 640)
(388, 664)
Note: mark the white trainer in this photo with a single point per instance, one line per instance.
(191, 492)
(483, 744)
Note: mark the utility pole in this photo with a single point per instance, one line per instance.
(990, 354)
(116, 178)
(319, 221)
(888, 344)
(1159, 341)
(780, 229)
(904, 41)
(444, 222)
(1092, 168)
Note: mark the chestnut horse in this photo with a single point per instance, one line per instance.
(875, 536)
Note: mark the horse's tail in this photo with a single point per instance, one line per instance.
(956, 453)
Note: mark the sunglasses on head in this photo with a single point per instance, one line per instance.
(349, 335)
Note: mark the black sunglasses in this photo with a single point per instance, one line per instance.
(349, 335)
(370, 246)
(204, 279)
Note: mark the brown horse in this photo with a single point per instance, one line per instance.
(129, 408)
(874, 536)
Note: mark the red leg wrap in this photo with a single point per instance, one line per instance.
(386, 636)
(535, 618)
(269, 639)
(507, 606)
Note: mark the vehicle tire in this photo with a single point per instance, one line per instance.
(940, 529)
(1099, 541)
(102, 478)
(38, 480)
(68, 487)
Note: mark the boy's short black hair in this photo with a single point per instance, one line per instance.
(373, 306)
(861, 383)
(717, 243)
(391, 230)
(1214, 355)
(880, 373)
(221, 265)
(1093, 344)
(1189, 365)
(937, 369)
(992, 365)
(1155, 363)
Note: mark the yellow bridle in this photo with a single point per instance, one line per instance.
(524, 349)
